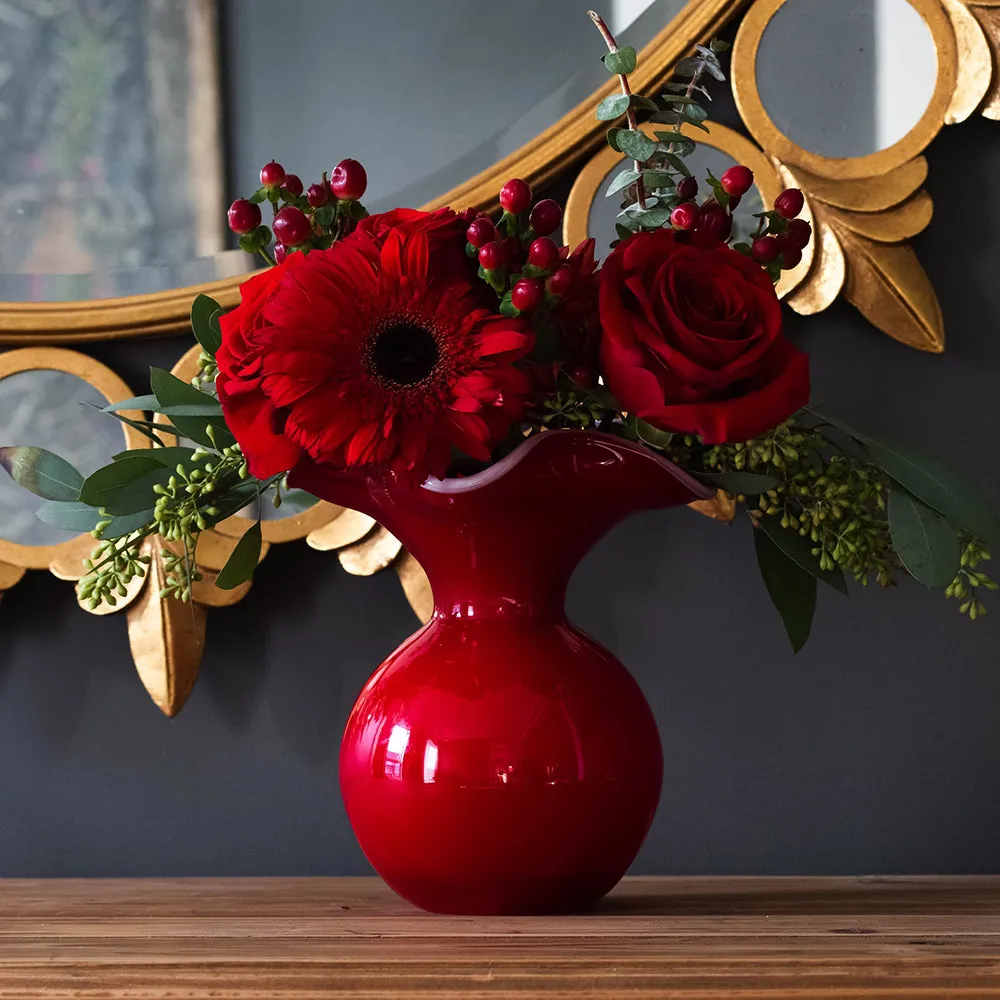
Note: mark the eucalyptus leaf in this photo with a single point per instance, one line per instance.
(653, 436)
(791, 589)
(205, 313)
(612, 107)
(165, 456)
(799, 550)
(736, 482)
(924, 541)
(658, 179)
(241, 564)
(128, 523)
(125, 486)
(146, 403)
(621, 181)
(170, 391)
(653, 218)
(635, 144)
(677, 162)
(612, 136)
(42, 472)
(938, 486)
(622, 61)
(70, 515)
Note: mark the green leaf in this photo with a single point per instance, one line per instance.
(125, 486)
(791, 589)
(233, 500)
(658, 179)
(165, 456)
(170, 391)
(718, 46)
(688, 67)
(612, 107)
(653, 436)
(70, 515)
(324, 215)
(41, 472)
(677, 163)
(717, 189)
(694, 113)
(679, 100)
(938, 486)
(636, 145)
(259, 195)
(147, 403)
(799, 550)
(736, 483)
(643, 103)
(242, 563)
(654, 218)
(127, 523)
(924, 541)
(205, 313)
(622, 61)
(612, 136)
(622, 180)
(624, 232)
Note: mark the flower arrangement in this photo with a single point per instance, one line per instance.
(432, 344)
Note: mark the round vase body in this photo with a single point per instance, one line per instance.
(501, 767)
(501, 761)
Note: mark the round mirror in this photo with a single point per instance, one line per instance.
(58, 411)
(705, 158)
(846, 79)
(112, 117)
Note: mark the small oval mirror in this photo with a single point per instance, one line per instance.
(58, 411)
(849, 78)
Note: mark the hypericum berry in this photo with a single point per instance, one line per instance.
(684, 216)
(292, 226)
(515, 196)
(790, 258)
(687, 189)
(491, 256)
(799, 234)
(561, 281)
(527, 294)
(765, 249)
(789, 203)
(348, 180)
(714, 223)
(244, 216)
(272, 175)
(543, 254)
(736, 181)
(293, 184)
(280, 253)
(317, 195)
(545, 217)
(480, 232)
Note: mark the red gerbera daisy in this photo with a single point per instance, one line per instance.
(376, 351)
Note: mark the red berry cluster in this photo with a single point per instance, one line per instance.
(711, 222)
(781, 236)
(520, 262)
(327, 211)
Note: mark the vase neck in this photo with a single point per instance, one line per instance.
(505, 542)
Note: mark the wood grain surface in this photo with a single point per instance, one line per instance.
(311, 939)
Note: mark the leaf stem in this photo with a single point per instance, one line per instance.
(609, 40)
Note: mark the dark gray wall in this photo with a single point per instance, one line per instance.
(875, 750)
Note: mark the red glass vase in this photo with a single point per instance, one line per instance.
(502, 761)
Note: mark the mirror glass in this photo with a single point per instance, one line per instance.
(848, 78)
(60, 412)
(604, 210)
(113, 112)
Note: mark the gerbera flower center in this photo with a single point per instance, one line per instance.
(404, 353)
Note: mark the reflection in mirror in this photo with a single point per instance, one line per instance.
(438, 110)
(293, 503)
(60, 412)
(110, 148)
(604, 210)
(848, 78)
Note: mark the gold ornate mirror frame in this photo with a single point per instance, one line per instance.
(864, 209)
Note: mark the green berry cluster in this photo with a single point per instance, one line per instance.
(967, 583)
(112, 566)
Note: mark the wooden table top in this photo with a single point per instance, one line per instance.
(310, 939)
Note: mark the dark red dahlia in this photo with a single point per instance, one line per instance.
(376, 351)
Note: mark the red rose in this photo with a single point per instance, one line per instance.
(377, 351)
(692, 340)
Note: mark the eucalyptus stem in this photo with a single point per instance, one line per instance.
(609, 40)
